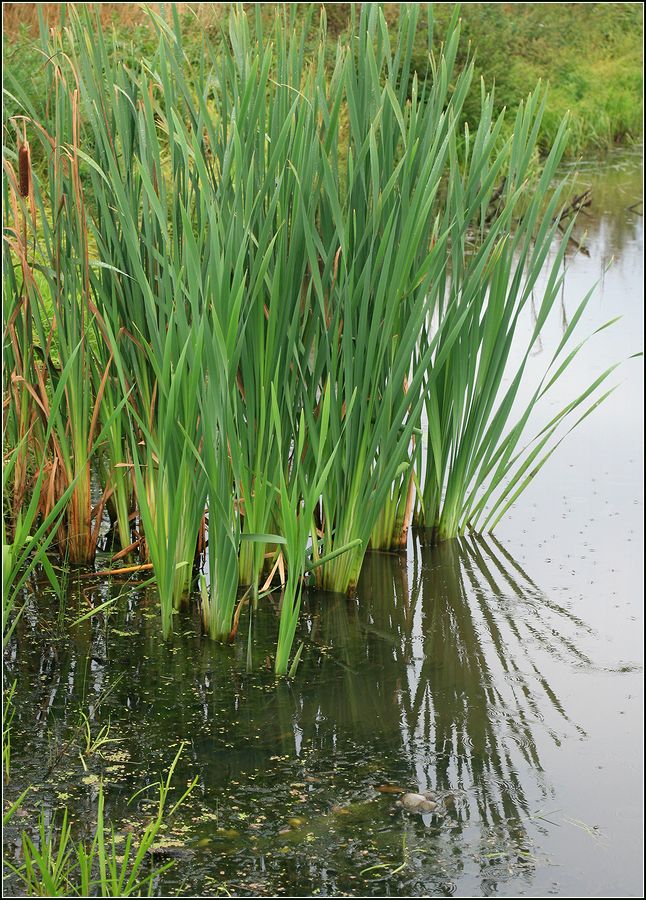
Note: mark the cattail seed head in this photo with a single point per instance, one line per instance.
(24, 169)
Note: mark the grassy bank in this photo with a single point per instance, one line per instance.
(589, 53)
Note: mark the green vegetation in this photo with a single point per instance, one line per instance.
(236, 281)
(591, 54)
(109, 865)
(37, 517)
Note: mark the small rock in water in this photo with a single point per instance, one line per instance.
(418, 803)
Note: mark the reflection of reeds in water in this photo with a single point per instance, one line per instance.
(438, 674)
(445, 683)
(481, 692)
(613, 222)
(451, 674)
(364, 644)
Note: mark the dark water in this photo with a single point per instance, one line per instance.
(506, 674)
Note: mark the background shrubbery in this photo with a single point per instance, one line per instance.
(590, 53)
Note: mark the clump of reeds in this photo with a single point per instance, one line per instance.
(284, 297)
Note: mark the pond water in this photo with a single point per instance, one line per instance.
(503, 673)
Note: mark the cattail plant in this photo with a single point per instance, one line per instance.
(18, 343)
(284, 289)
(479, 455)
(24, 169)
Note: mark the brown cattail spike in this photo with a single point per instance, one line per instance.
(24, 168)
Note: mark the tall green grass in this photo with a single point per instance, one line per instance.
(286, 294)
(480, 455)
